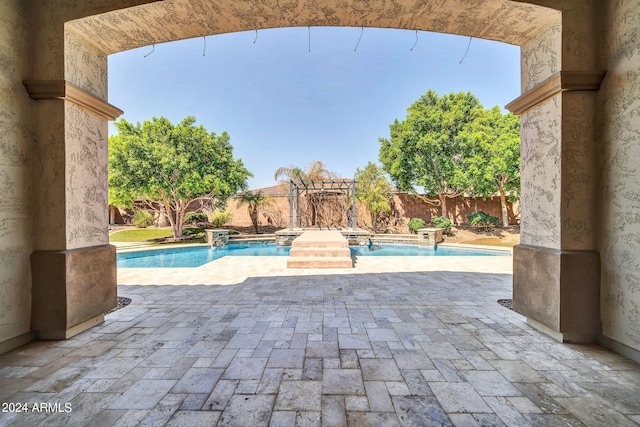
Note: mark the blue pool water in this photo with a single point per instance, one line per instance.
(195, 257)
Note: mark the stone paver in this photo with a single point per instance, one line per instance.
(391, 342)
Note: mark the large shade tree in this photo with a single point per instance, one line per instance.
(493, 165)
(170, 166)
(424, 150)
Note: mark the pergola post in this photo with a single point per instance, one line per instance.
(354, 217)
(298, 221)
(290, 206)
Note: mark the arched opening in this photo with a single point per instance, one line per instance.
(557, 267)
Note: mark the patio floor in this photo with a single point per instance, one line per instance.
(246, 342)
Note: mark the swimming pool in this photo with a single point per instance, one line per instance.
(197, 256)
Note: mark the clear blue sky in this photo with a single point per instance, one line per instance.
(283, 105)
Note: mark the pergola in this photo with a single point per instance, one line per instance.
(334, 186)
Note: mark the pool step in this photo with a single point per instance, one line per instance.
(310, 251)
(320, 239)
(320, 249)
(319, 262)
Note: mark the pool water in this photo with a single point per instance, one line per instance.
(197, 256)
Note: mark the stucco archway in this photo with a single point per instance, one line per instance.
(557, 267)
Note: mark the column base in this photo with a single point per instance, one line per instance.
(562, 337)
(72, 290)
(558, 290)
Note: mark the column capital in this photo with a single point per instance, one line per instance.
(67, 91)
(562, 81)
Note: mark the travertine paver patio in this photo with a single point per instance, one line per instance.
(393, 341)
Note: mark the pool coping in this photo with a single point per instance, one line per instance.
(196, 245)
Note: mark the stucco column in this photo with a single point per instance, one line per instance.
(73, 266)
(556, 280)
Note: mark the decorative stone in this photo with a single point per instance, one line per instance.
(217, 237)
(430, 236)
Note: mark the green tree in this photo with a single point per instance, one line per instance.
(424, 149)
(254, 200)
(170, 166)
(374, 191)
(493, 165)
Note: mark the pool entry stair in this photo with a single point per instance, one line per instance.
(320, 249)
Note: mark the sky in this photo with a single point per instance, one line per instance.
(290, 96)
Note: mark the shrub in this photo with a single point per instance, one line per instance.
(142, 218)
(194, 217)
(415, 224)
(192, 231)
(220, 218)
(442, 222)
(483, 221)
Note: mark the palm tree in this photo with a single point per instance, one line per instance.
(253, 200)
(316, 171)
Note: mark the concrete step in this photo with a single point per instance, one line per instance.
(320, 243)
(321, 239)
(310, 251)
(319, 262)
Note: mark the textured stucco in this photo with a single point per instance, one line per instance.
(16, 141)
(503, 20)
(48, 182)
(540, 58)
(87, 215)
(579, 171)
(619, 237)
(540, 150)
(85, 66)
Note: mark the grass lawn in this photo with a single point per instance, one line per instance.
(151, 234)
(490, 241)
(140, 235)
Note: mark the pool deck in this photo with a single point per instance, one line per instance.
(236, 269)
(394, 341)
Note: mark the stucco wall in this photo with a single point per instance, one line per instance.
(619, 237)
(16, 159)
(406, 206)
(86, 185)
(540, 57)
(540, 175)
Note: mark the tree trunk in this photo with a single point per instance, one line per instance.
(443, 205)
(503, 205)
(180, 212)
(253, 214)
(176, 226)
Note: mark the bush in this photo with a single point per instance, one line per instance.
(192, 231)
(442, 222)
(218, 219)
(194, 217)
(142, 219)
(483, 221)
(415, 224)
